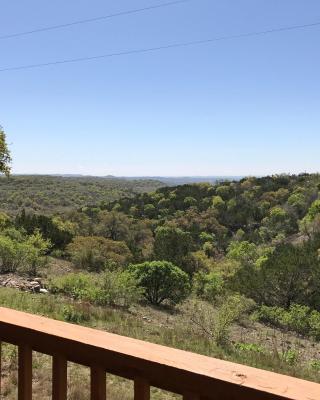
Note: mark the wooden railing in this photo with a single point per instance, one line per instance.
(193, 376)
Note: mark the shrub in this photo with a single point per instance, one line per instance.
(314, 322)
(94, 252)
(79, 286)
(315, 365)
(118, 288)
(162, 281)
(298, 318)
(216, 324)
(290, 357)
(208, 286)
(232, 309)
(22, 254)
(76, 316)
(114, 288)
(249, 347)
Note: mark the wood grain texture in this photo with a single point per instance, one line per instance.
(24, 372)
(190, 396)
(59, 377)
(141, 389)
(166, 368)
(98, 383)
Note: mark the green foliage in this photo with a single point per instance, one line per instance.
(243, 252)
(249, 347)
(119, 288)
(290, 357)
(73, 315)
(216, 324)
(23, 254)
(113, 288)
(172, 244)
(162, 281)
(208, 286)
(315, 365)
(314, 210)
(232, 309)
(298, 318)
(5, 158)
(80, 286)
(289, 274)
(59, 232)
(95, 253)
(55, 194)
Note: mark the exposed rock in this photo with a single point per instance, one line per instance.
(33, 285)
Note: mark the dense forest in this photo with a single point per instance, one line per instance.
(258, 236)
(52, 194)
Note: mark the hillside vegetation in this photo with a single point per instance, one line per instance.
(216, 267)
(51, 194)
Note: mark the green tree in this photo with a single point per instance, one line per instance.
(95, 253)
(162, 281)
(5, 157)
(172, 244)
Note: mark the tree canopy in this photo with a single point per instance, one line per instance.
(5, 157)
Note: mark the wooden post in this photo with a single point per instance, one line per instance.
(59, 377)
(141, 389)
(25, 372)
(0, 365)
(190, 396)
(98, 384)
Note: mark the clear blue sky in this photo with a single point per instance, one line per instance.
(237, 107)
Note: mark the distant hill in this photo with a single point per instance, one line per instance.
(167, 180)
(51, 194)
(184, 180)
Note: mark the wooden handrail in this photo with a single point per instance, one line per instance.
(191, 375)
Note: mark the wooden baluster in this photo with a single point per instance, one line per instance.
(24, 372)
(191, 396)
(141, 389)
(59, 377)
(0, 366)
(98, 384)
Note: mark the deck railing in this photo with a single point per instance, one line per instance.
(193, 376)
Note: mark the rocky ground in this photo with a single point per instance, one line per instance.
(25, 284)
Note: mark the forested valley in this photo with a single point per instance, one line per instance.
(230, 270)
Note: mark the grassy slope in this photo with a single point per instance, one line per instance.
(50, 194)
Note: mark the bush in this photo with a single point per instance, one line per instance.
(298, 318)
(162, 281)
(110, 288)
(249, 347)
(208, 286)
(314, 322)
(22, 254)
(315, 365)
(232, 310)
(216, 324)
(290, 357)
(93, 253)
(79, 286)
(118, 288)
(73, 315)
